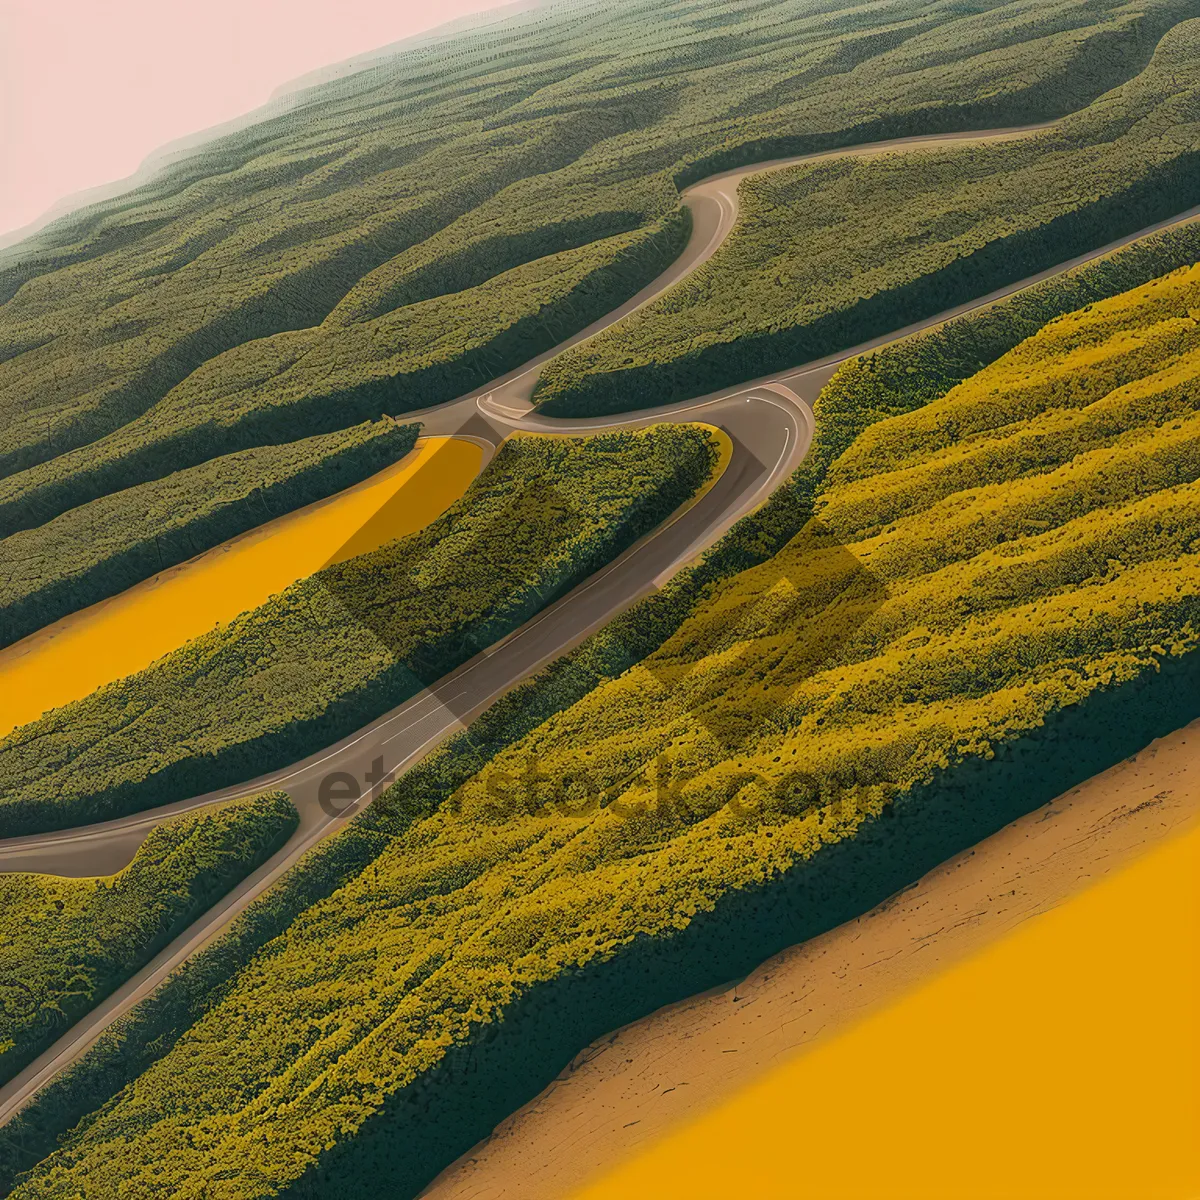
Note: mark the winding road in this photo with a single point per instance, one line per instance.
(770, 425)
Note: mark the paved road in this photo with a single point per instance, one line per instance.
(769, 422)
(766, 426)
(765, 452)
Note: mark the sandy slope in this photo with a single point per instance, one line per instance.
(122, 635)
(766, 1049)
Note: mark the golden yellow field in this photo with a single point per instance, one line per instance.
(1063, 1063)
(113, 639)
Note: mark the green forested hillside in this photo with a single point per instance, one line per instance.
(65, 944)
(831, 254)
(316, 267)
(335, 650)
(1010, 564)
(317, 380)
(99, 549)
(987, 555)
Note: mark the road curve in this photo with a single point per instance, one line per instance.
(770, 424)
(486, 417)
(765, 453)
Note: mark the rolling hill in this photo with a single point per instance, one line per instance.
(1003, 568)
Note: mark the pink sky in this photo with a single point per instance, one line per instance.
(88, 88)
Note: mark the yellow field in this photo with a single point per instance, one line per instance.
(113, 639)
(1061, 1064)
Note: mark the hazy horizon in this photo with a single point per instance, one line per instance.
(87, 94)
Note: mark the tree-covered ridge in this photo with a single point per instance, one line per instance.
(918, 625)
(831, 254)
(65, 944)
(311, 381)
(898, 378)
(445, 167)
(99, 549)
(338, 649)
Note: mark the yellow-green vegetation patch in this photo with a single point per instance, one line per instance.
(65, 944)
(928, 655)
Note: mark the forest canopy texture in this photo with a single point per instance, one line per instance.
(976, 572)
(835, 253)
(403, 235)
(65, 944)
(338, 649)
(990, 551)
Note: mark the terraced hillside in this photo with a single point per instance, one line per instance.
(989, 552)
(1004, 568)
(314, 271)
